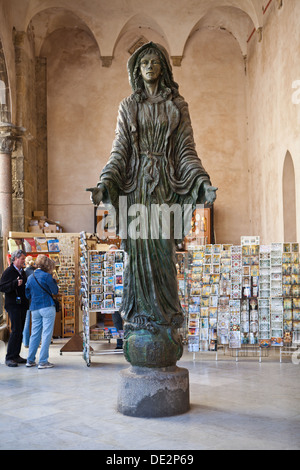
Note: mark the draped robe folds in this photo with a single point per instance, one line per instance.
(153, 161)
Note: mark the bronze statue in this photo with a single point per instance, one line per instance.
(153, 162)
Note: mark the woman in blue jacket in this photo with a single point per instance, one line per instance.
(39, 289)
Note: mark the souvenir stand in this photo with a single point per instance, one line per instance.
(212, 310)
(244, 298)
(63, 249)
(291, 300)
(182, 279)
(101, 292)
(194, 304)
(292, 348)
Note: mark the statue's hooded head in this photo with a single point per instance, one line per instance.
(167, 84)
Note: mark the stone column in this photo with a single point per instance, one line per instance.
(7, 139)
(9, 134)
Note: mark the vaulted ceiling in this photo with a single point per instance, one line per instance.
(107, 22)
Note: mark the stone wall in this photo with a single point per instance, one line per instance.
(273, 118)
(67, 80)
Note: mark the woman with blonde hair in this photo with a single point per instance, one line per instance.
(29, 269)
(39, 289)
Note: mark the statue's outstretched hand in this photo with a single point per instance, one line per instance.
(210, 193)
(96, 196)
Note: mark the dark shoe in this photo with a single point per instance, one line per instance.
(119, 347)
(20, 360)
(11, 363)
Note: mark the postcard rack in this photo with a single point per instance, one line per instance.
(243, 298)
(182, 282)
(101, 291)
(249, 351)
(292, 348)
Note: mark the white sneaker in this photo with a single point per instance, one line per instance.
(30, 364)
(46, 365)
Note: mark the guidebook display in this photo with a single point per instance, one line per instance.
(243, 295)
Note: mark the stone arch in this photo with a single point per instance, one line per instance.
(289, 199)
(232, 19)
(70, 77)
(5, 111)
(46, 21)
(142, 22)
(251, 7)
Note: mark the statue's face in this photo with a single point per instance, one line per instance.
(150, 68)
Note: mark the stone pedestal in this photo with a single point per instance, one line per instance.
(153, 392)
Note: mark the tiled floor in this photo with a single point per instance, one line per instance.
(234, 405)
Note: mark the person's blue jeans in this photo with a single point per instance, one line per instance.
(26, 331)
(42, 324)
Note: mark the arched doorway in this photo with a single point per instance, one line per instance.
(289, 200)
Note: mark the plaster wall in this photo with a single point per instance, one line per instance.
(273, 118)
(83, 100)
(213, 80)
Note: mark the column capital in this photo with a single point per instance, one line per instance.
(9, 133)
(18, 37)
(106, 60)
(279, 4)
(176, 60)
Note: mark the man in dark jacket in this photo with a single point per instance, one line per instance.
(12, 283)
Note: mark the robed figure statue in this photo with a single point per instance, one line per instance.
(154, 165)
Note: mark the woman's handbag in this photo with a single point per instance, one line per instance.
(56, 302)
(57, 305)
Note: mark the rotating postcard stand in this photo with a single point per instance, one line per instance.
(101, 291)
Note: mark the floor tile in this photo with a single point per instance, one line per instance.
(234, 405)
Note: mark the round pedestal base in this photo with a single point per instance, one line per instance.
(144, 348)
(153, 392)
